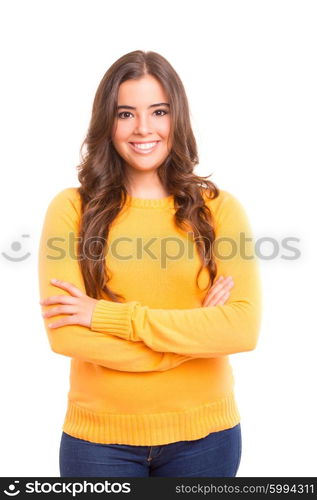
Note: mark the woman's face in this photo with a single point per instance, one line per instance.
(143, 116)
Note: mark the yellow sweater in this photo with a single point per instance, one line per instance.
(154, 369)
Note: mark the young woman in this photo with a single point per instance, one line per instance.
(157, 285)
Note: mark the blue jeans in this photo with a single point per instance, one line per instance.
(215, 455)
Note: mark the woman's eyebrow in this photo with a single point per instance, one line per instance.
(151, 106)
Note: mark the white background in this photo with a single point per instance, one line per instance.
(249, 70)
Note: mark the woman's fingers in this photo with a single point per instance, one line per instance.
(220, 288)
(219, 291)
(56, 311)
(223, 299)
(214, 299)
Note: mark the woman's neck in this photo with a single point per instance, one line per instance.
(146, 187)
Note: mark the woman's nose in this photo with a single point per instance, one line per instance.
(143, 125)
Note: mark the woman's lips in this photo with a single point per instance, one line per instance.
(144, 151)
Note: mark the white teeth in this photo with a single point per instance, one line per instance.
(147, 145)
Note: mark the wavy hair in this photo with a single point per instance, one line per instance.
(102, 177)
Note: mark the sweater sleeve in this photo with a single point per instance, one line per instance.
(57, 259)
(202, 331)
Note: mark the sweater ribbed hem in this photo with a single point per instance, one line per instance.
(113, 317)
(150, 429)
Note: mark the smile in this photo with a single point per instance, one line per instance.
(144, 148)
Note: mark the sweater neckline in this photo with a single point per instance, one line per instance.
(167, 201)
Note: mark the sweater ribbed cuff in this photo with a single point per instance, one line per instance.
(113, 317)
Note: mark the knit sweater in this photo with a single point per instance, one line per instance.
(153, 369)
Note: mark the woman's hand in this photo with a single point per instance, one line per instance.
(219, 292)
(79, 306)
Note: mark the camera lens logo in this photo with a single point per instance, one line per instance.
(12, 492)
(16, 247)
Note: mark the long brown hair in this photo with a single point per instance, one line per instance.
(102, 176)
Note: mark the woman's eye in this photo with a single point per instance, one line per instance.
(160, 110)
(123, 113)
(128, 113)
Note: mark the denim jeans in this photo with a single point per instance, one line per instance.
(216, 455)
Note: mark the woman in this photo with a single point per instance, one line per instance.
(147, 254)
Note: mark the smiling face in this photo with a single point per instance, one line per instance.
(142, 125)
